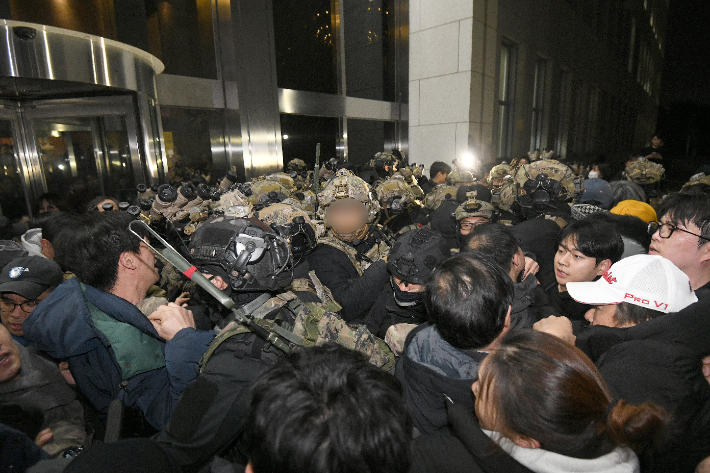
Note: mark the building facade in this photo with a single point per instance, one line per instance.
(249, 85)
(499, 78)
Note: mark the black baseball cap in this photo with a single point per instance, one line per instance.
(30, 276)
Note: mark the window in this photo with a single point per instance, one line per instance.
(538, 104)
(301, 133)
(565, 100)
(632, 46)
(506, 99)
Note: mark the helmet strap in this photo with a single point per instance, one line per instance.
(356, 235)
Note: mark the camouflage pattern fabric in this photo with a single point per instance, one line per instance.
(499, 172)
(282, 178)
(701, 179)
(296, 165)
(458, 176)
(283, 214)
(395, 188)
(376, 253)
(261, 191)
(645, 172)
(396, 336)
(308, 324)
(440, 193)
(346, 185)
(553, 169)
(308, 200)
(234, 204)
(473, 208)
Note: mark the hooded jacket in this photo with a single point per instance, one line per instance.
(62, 326)
(472, 450)
(433, 373)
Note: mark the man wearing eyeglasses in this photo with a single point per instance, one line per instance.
(25, 282)
(682, 234)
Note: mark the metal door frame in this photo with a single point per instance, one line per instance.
(22, 115)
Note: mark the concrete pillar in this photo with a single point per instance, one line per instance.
(452, 71)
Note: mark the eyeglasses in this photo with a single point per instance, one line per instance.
(468, 226)
(9, 306)
(665, 230)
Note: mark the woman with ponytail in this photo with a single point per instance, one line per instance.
(544, 403)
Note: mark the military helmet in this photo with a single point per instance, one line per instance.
(394, 194)
(246, 252)
(440, 193)
(294, 225)
(644, 171)
(474, 208)
(346, 185)
(415, 254)
(499, 171)
(284, 179)
(383, 158)
(459, 176)
(697, 179)
(265, 192)
(234, 203)
(296, 165)
(557, 181)
(308, 201)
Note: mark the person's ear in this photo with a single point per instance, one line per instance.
(705, 253)
(127, 259)
(526, 442)
(603, 267)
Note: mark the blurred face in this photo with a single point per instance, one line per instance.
(656, 142)
(468, 223)
(573, 266)
(13, 317)
(45, 207)
(346, 215)
(9, 357)
(602, 315)
(681, 247)
(405, 286)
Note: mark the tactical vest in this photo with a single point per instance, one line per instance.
(304, 324)
(375, 253)
(136, 352)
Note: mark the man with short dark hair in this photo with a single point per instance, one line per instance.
(438, 172)
(469, 301)
(585, 251)
(496, 241)
(113, 350)
(325, 410)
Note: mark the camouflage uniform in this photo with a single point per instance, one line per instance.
(474, 208)
(499, 171)
(440, 193)
(700, 179)
(296, 165)
(571, 185)
(266, 191)
(645, 172)
(459, 176)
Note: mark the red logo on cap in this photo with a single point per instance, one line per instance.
(608, 277)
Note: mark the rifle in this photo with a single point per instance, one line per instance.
(176, 259)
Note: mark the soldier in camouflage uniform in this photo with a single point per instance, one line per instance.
(648, 175)
(442, 192)
(209, 417)
(399, 206)
(543, 188)
(459, 177)
(267, 191)
(471, 213)
(350, 259)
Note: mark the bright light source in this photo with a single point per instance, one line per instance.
(285, 137)
(55, 133)
(61, 166)
(467, 160)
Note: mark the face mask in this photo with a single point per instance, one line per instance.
(592, 175)
(406, 299)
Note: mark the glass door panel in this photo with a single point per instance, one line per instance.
(13, 203)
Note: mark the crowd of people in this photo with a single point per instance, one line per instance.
(529, 316)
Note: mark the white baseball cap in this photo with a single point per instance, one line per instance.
(645, 280)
